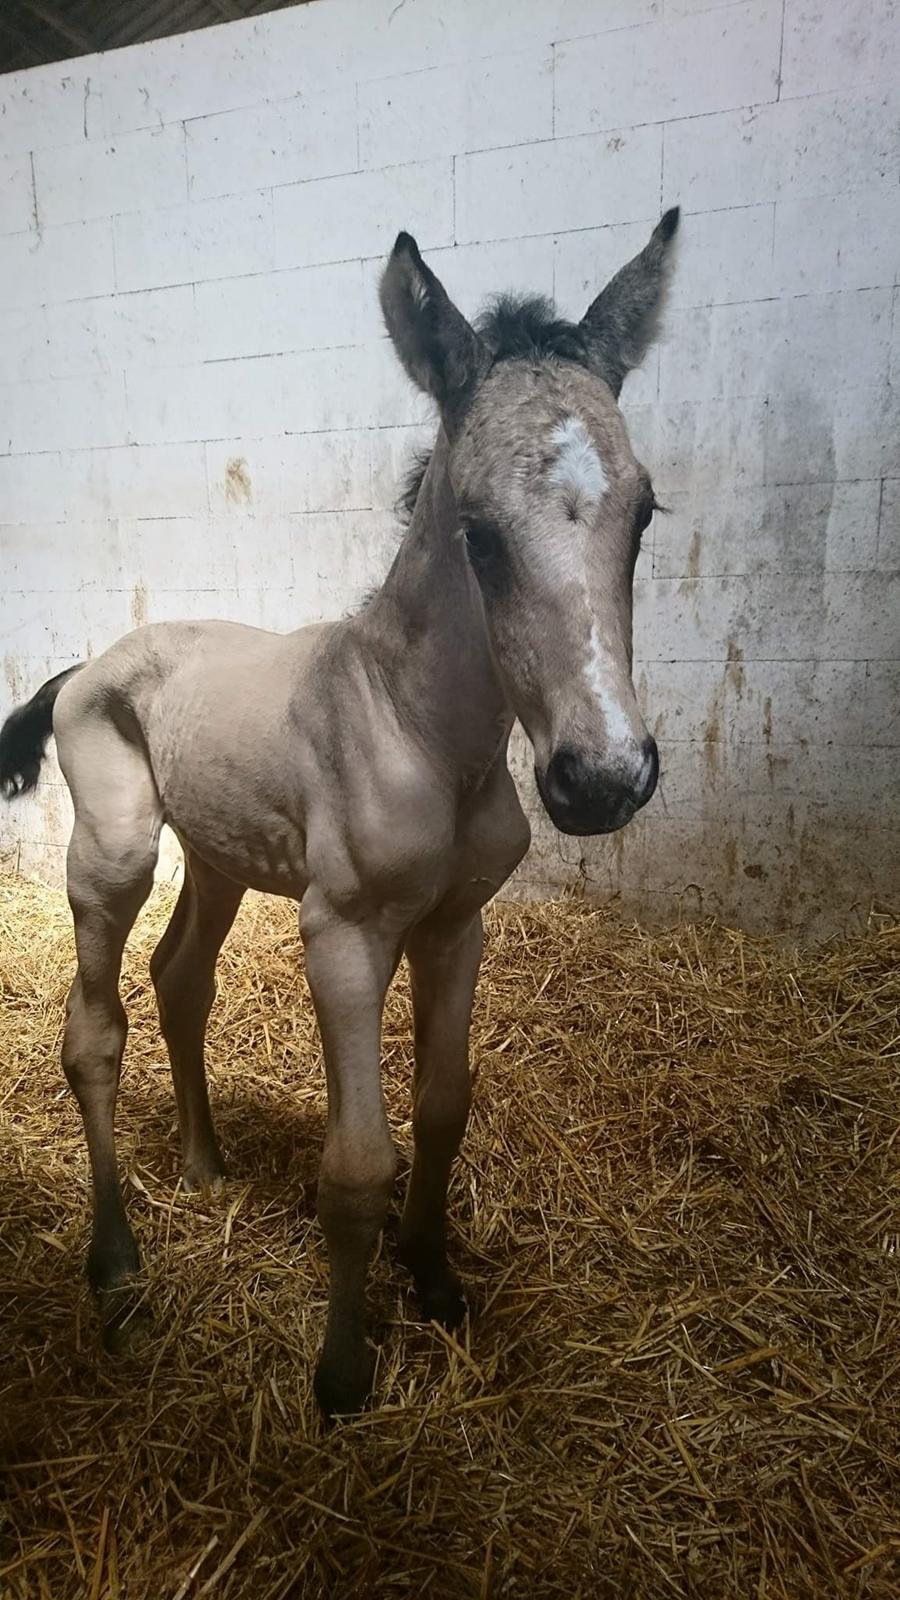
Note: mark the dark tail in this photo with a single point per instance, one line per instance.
(24, 735)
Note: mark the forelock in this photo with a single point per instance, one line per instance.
(527, 327)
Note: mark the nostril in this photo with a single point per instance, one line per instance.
(649, 773)
(564, 775)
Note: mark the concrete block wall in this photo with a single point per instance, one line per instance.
(199, 414)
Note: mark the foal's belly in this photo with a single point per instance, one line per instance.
(268, 865)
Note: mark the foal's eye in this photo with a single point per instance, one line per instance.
(645, 515)
(484, 545)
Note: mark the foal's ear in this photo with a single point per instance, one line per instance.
(439, 350)
(623, 320)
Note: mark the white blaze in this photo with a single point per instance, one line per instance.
(619, 729)
(578, 471)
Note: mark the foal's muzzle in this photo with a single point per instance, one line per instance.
(583, 796)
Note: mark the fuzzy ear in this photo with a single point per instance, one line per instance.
(623, 320)
(439, 350)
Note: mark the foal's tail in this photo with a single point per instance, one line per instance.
(24, 735)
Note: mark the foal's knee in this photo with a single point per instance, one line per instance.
(442, 1110)
(355, 1182)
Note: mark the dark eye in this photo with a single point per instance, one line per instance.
(485, 547)
(645, 514)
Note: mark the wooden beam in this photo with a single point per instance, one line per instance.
(228, 10)
(59, 24)
(37, 53)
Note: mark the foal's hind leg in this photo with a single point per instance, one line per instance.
(183, 971)
(444, 959)
(110, 872)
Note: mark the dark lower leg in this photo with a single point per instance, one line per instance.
(349, 968)
(93, 1044)
(183, 972)
(444, 966)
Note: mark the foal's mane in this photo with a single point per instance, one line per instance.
(514, 327)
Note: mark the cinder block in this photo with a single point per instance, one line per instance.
(505, 100)
(57, 264)
(338, 219)
(289, 474)
(275, 312)
(340, 556)
(24, 342)
(206, 239)
(850, 45)
(824, 146)
(214, 400)
(46, 557)
(153, 327)
(155, 554)
(848, 242)
(324, 390)
(881, 713)
(663, 69)
(63, 414)
(771, 528)
(77, 624)
(290, 141)
(188, 75)
(861, 616)
(698, 445)
(816, 435)
(689, 620)
(135, 481)
(45, 863)
(338, 471)
(16, 196)
(549, 187)
(800, 702)
(32, 489)
(768, 347)
(889, 525)
(206, 605)
(77, 182)
(44, 106)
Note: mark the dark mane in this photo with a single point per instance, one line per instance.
(515, 328)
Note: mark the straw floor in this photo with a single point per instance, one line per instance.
(678, 1215)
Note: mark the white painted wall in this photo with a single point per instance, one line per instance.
(199, 415)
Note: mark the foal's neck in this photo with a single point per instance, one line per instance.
(428, 629)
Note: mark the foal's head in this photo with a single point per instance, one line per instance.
(552, 504)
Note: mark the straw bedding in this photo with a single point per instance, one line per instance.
(678, 1215)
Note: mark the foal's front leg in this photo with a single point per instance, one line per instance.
(349, 967)
(444, 958)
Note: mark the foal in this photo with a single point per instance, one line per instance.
(360, 768)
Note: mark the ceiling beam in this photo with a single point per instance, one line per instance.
(228, 10)
(60, 25)
(36, 53)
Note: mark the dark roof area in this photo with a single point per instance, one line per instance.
(37, 31)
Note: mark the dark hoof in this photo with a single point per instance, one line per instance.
(126, 1319)
(343, 1391)
(443, 1302)
(201, 1177)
